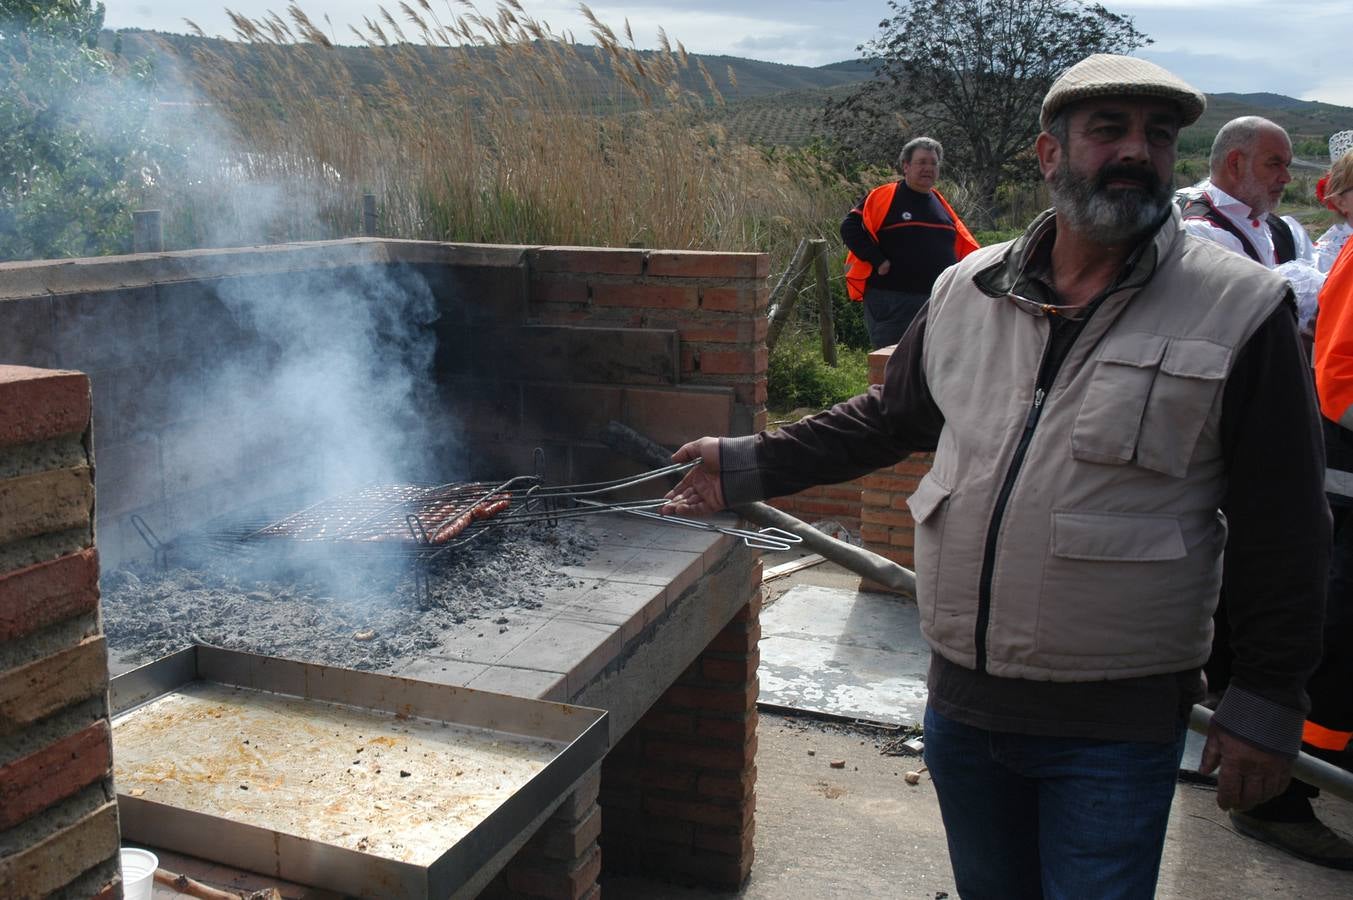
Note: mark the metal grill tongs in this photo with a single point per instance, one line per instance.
(582, 495)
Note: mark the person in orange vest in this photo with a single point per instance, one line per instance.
(1288, 821)
(899, 238)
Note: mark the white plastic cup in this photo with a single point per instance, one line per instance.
(138, 873)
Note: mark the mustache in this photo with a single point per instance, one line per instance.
(1143, 175)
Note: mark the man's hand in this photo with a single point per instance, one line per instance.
(1248, 775)
(700, 493)
(885, 267)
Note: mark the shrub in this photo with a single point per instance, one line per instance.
(800, 378)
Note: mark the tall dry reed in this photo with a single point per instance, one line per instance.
(473, 126)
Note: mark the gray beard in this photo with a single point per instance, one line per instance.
(1104, 217)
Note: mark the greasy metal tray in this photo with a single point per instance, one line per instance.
(365, 784)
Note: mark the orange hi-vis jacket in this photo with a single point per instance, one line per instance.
(1334, 342)
(875, 210)
(1334, 387)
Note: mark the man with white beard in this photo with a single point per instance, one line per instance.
(1235, 205)
(1111, 403)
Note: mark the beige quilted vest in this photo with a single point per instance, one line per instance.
(1106, 560)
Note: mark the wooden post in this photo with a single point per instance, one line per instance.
(825, 320)
(369, 215)
(147, 231)
(785, 293)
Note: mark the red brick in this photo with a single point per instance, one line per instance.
(670, 831)
(45, 502)
(729, 299)
(752, 394)
(750, 611)
(668, 722)
(872, 515)
(556, 882)
(736, 638)
(726, 788)
(760, 329)
(882, 481)
(877, 498)
(902, 537)
(873, 534)
(591, 260)
(34, 597)
(39, 689)
(731, 671)
(558, 290)
(721, 815)
(36, 781)
(673, 417)
(917, 464)
(701, 756)
(736, 731)
(555, 840)
(727, 700)
(733, 362)
(645, 296)
(56, 860)
(37, 404)
(718, 871)
(717, 332)
(703, 264)
(725, 841)
(676, 782)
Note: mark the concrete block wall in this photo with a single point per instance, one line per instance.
(886, 525)
(58, 810)
(679, 789)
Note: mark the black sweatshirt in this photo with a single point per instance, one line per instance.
(916, 236)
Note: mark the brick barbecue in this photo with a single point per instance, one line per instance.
(534, 347)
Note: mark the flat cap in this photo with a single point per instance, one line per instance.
(1106, 75)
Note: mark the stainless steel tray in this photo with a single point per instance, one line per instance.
(366, 784)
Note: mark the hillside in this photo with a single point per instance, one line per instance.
(764, 102)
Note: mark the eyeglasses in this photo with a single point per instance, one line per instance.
(1066, 311)
(1038, 308)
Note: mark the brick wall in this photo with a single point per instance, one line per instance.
(714, 302)
(886, 526)
(831, 502)
(58, 812)
(562, 860)
(678, 791)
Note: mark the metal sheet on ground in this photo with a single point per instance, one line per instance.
(844, 653)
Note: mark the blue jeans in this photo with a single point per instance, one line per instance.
(1035, 817)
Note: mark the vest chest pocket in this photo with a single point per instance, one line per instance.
(1147, 401)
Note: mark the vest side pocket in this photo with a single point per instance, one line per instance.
(1190, 380)
(927, 504)
(1110, 416)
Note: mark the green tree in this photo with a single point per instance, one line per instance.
(972, 74)
(72, 131)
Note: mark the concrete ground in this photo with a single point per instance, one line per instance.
(862, 832)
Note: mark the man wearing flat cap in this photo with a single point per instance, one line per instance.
(1111, 403)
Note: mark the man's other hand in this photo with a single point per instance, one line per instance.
(885, 267)
(1248, 775)
(700, 493)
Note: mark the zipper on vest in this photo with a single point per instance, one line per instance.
(1047, 371)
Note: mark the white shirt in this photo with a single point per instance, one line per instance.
(1330, 243)
(1301, 273)
(1255, 229)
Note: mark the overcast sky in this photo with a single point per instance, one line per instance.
(1218, 45)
